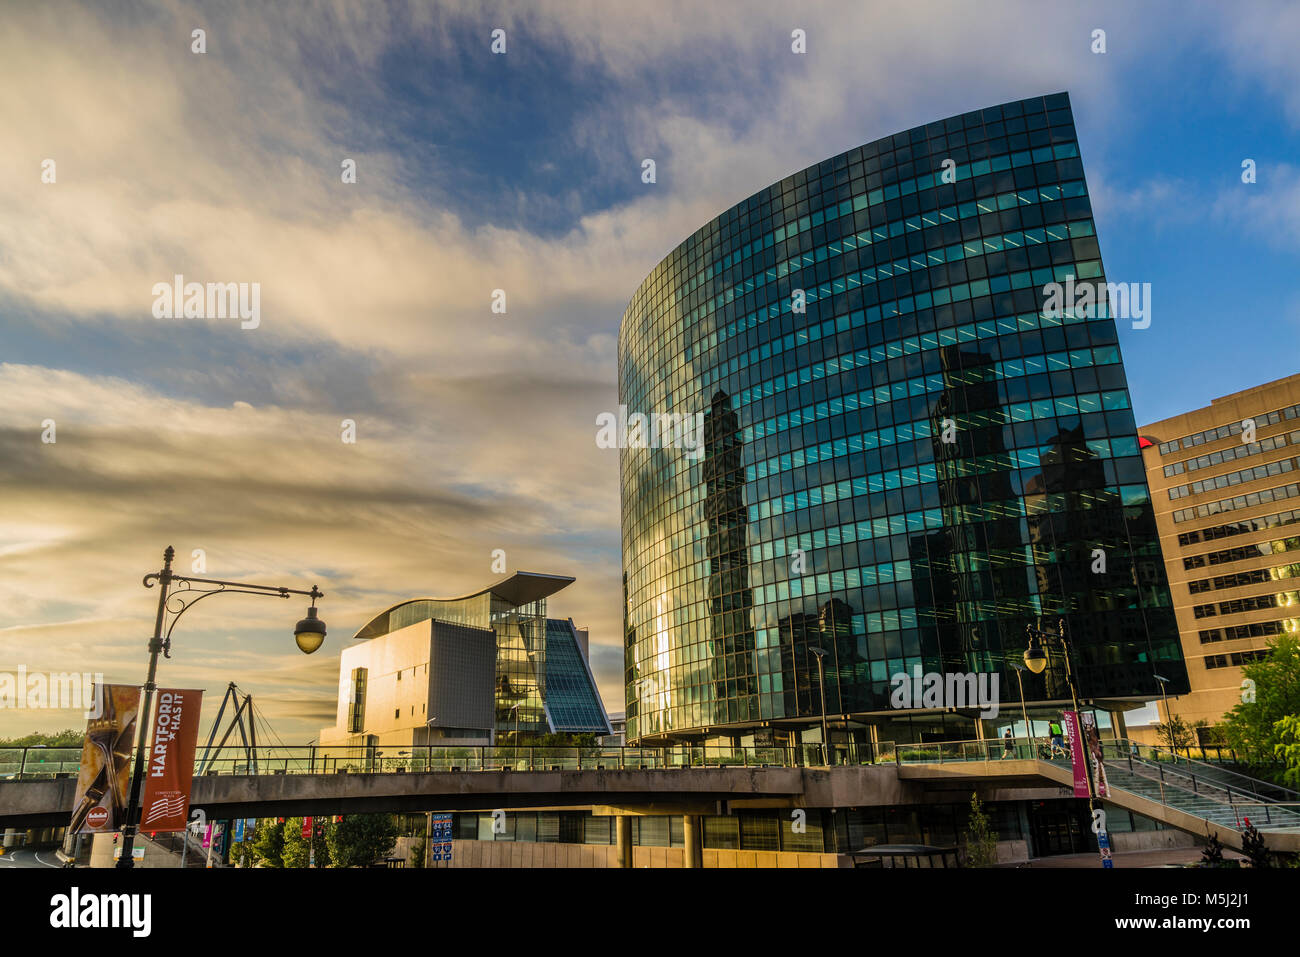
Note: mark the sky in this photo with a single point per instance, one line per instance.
(475, 172)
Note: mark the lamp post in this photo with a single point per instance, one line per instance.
(1036, 661)
(1169, 721)
(821, 681)
(173, 602)
(1024, 713)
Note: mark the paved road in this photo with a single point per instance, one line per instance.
(22, 857)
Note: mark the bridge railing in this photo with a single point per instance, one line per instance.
(34, 763)
(989, 749)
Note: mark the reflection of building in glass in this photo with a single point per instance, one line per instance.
(730, 598)
(831, 327)
(829, 628)
(467, 670)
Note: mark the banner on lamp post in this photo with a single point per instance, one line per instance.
(104, 780)
(1071, 721)
(166, 802)
(1092, 741)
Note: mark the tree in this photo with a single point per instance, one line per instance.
(360, 839)
(68, 738)
(981, 840)
(297, 849)
(1287, 748)
(1212, 853)
(1178, 734)
(1252, 845)
(266, 846)
(1274, 693)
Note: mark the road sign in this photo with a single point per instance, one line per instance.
(1103, 844)
(440, 837)
(97, 817)
(137, 853)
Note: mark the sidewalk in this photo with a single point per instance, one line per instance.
(1156, 858)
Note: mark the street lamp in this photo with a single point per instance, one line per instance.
(1036, 661)
(1169, 721)
(515, 711)
(821, 680)
(1029, 730)
(172, 603)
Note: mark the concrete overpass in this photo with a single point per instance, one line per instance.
(685, 790)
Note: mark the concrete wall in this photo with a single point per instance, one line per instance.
(529, 854)
(102, 847)
(1151, 840)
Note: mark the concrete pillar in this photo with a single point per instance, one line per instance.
(623, 828)
(691, 830)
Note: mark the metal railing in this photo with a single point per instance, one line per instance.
(989, 749)
(34, 763)
(1201, 773)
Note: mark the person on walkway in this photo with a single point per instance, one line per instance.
(1058, 738)
(1008, 745)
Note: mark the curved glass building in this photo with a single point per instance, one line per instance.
(906, 455)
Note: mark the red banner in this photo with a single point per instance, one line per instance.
(306, 828)
(104, 781)
(169, 771)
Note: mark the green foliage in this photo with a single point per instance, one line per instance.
(266, 845)
(360, 839)
(1253, 726)
(68, 738)
(1287, 731)
(1177, 734)
(981, 841)
(241, 854)
(297, 849)
(558, 740)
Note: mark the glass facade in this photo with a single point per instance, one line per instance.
(572, 702)
(521, 650)
(907, 457)
(543, 682)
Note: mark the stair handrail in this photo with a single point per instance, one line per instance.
(1294, 795)
(1220, 785)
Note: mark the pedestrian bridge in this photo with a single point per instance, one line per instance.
(1192, 796)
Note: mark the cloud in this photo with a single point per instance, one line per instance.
(475, 430)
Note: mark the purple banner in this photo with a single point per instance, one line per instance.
(1071, 721)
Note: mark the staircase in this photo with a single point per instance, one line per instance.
(1213, 794)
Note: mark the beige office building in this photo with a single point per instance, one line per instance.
(1225, 483)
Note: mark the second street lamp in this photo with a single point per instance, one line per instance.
(1036, 661)
(172, 603)
(821, 681)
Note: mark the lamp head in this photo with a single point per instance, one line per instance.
(309, 633)
(1035, 659)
